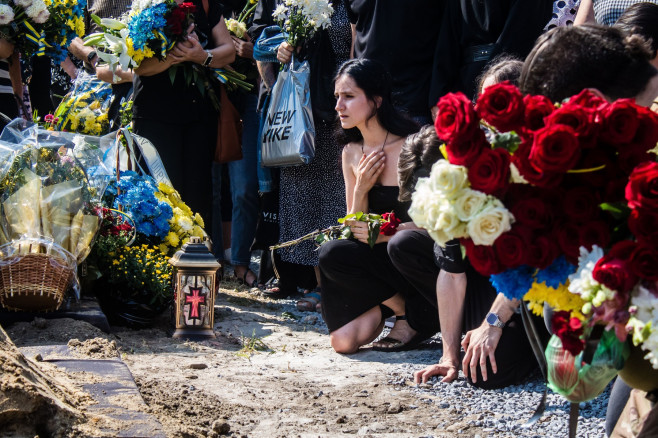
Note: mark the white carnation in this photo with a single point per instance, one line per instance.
(486, 226)
(448, 179)
(23, 3)
(36, 10)
(6, 14)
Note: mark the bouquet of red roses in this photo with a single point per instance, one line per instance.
(558, 203)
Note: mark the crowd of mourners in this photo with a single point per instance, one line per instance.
(377, 73)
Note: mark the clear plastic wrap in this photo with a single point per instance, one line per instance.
(50, 186)
(578, 381)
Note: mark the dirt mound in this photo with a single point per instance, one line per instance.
(31, 402)
(95, 348)
(184, 410)
(53, 331)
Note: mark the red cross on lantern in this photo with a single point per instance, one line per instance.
(196, 269)
(194, 299)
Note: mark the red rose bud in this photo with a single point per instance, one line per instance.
(582, 120)
(482, 258)
(620, 122)
(644, 262)
(614, 273)
(642, 187)
(390, 224)
(501, 105)
(644, 225)
(587, 99)
(465, 153)
(491, 172)
(456, 119)
(537, 108)
(569, 330)
(555, 149)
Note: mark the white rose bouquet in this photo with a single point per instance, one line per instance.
(448, 208)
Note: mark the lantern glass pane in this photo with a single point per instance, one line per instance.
(196, 300)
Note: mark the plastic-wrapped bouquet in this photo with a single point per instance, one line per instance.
(50, 184)
(85, 108)
(48, 190)
(300, 19)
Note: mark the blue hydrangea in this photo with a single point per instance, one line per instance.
(557, 273)
(514, 283)
(142, 25)
(151, 216)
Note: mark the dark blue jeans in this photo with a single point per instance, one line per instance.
(244, 192)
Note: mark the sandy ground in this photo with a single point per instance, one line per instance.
(270, 372)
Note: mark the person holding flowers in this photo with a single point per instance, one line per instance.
(360, 285)
(311, 196)
(175, 112)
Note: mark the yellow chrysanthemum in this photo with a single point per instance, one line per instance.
(558, 299)
(199, 220)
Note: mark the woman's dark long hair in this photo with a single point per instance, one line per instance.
(371, 77)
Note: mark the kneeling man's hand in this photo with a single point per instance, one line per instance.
(480, 344)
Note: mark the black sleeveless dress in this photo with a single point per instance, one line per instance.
(356, 278)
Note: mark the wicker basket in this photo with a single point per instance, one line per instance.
(34, 275)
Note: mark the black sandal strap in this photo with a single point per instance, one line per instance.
(400, 317)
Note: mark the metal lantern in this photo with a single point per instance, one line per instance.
(196, 271)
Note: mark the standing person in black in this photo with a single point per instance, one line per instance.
(472, 32)
(177, 118)
(379, 29)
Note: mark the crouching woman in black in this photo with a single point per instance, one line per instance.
(360, 286)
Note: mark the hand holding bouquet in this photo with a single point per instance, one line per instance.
(300, 19)
(150, 29)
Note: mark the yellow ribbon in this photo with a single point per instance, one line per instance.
(39, 39)
(591, 169)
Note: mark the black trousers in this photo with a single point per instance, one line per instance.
(412, 254)
(355, 278)
(187, 151)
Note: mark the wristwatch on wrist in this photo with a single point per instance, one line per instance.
(208, 60)
(494, 320)
(88, 66)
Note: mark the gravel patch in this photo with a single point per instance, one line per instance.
(503, 412)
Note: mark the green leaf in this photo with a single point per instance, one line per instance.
(508, 140)
(172, 75)
(346, 233)
(96, 19)
(358, 215)
(346, 218)
(373, 233)
(618, 210)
